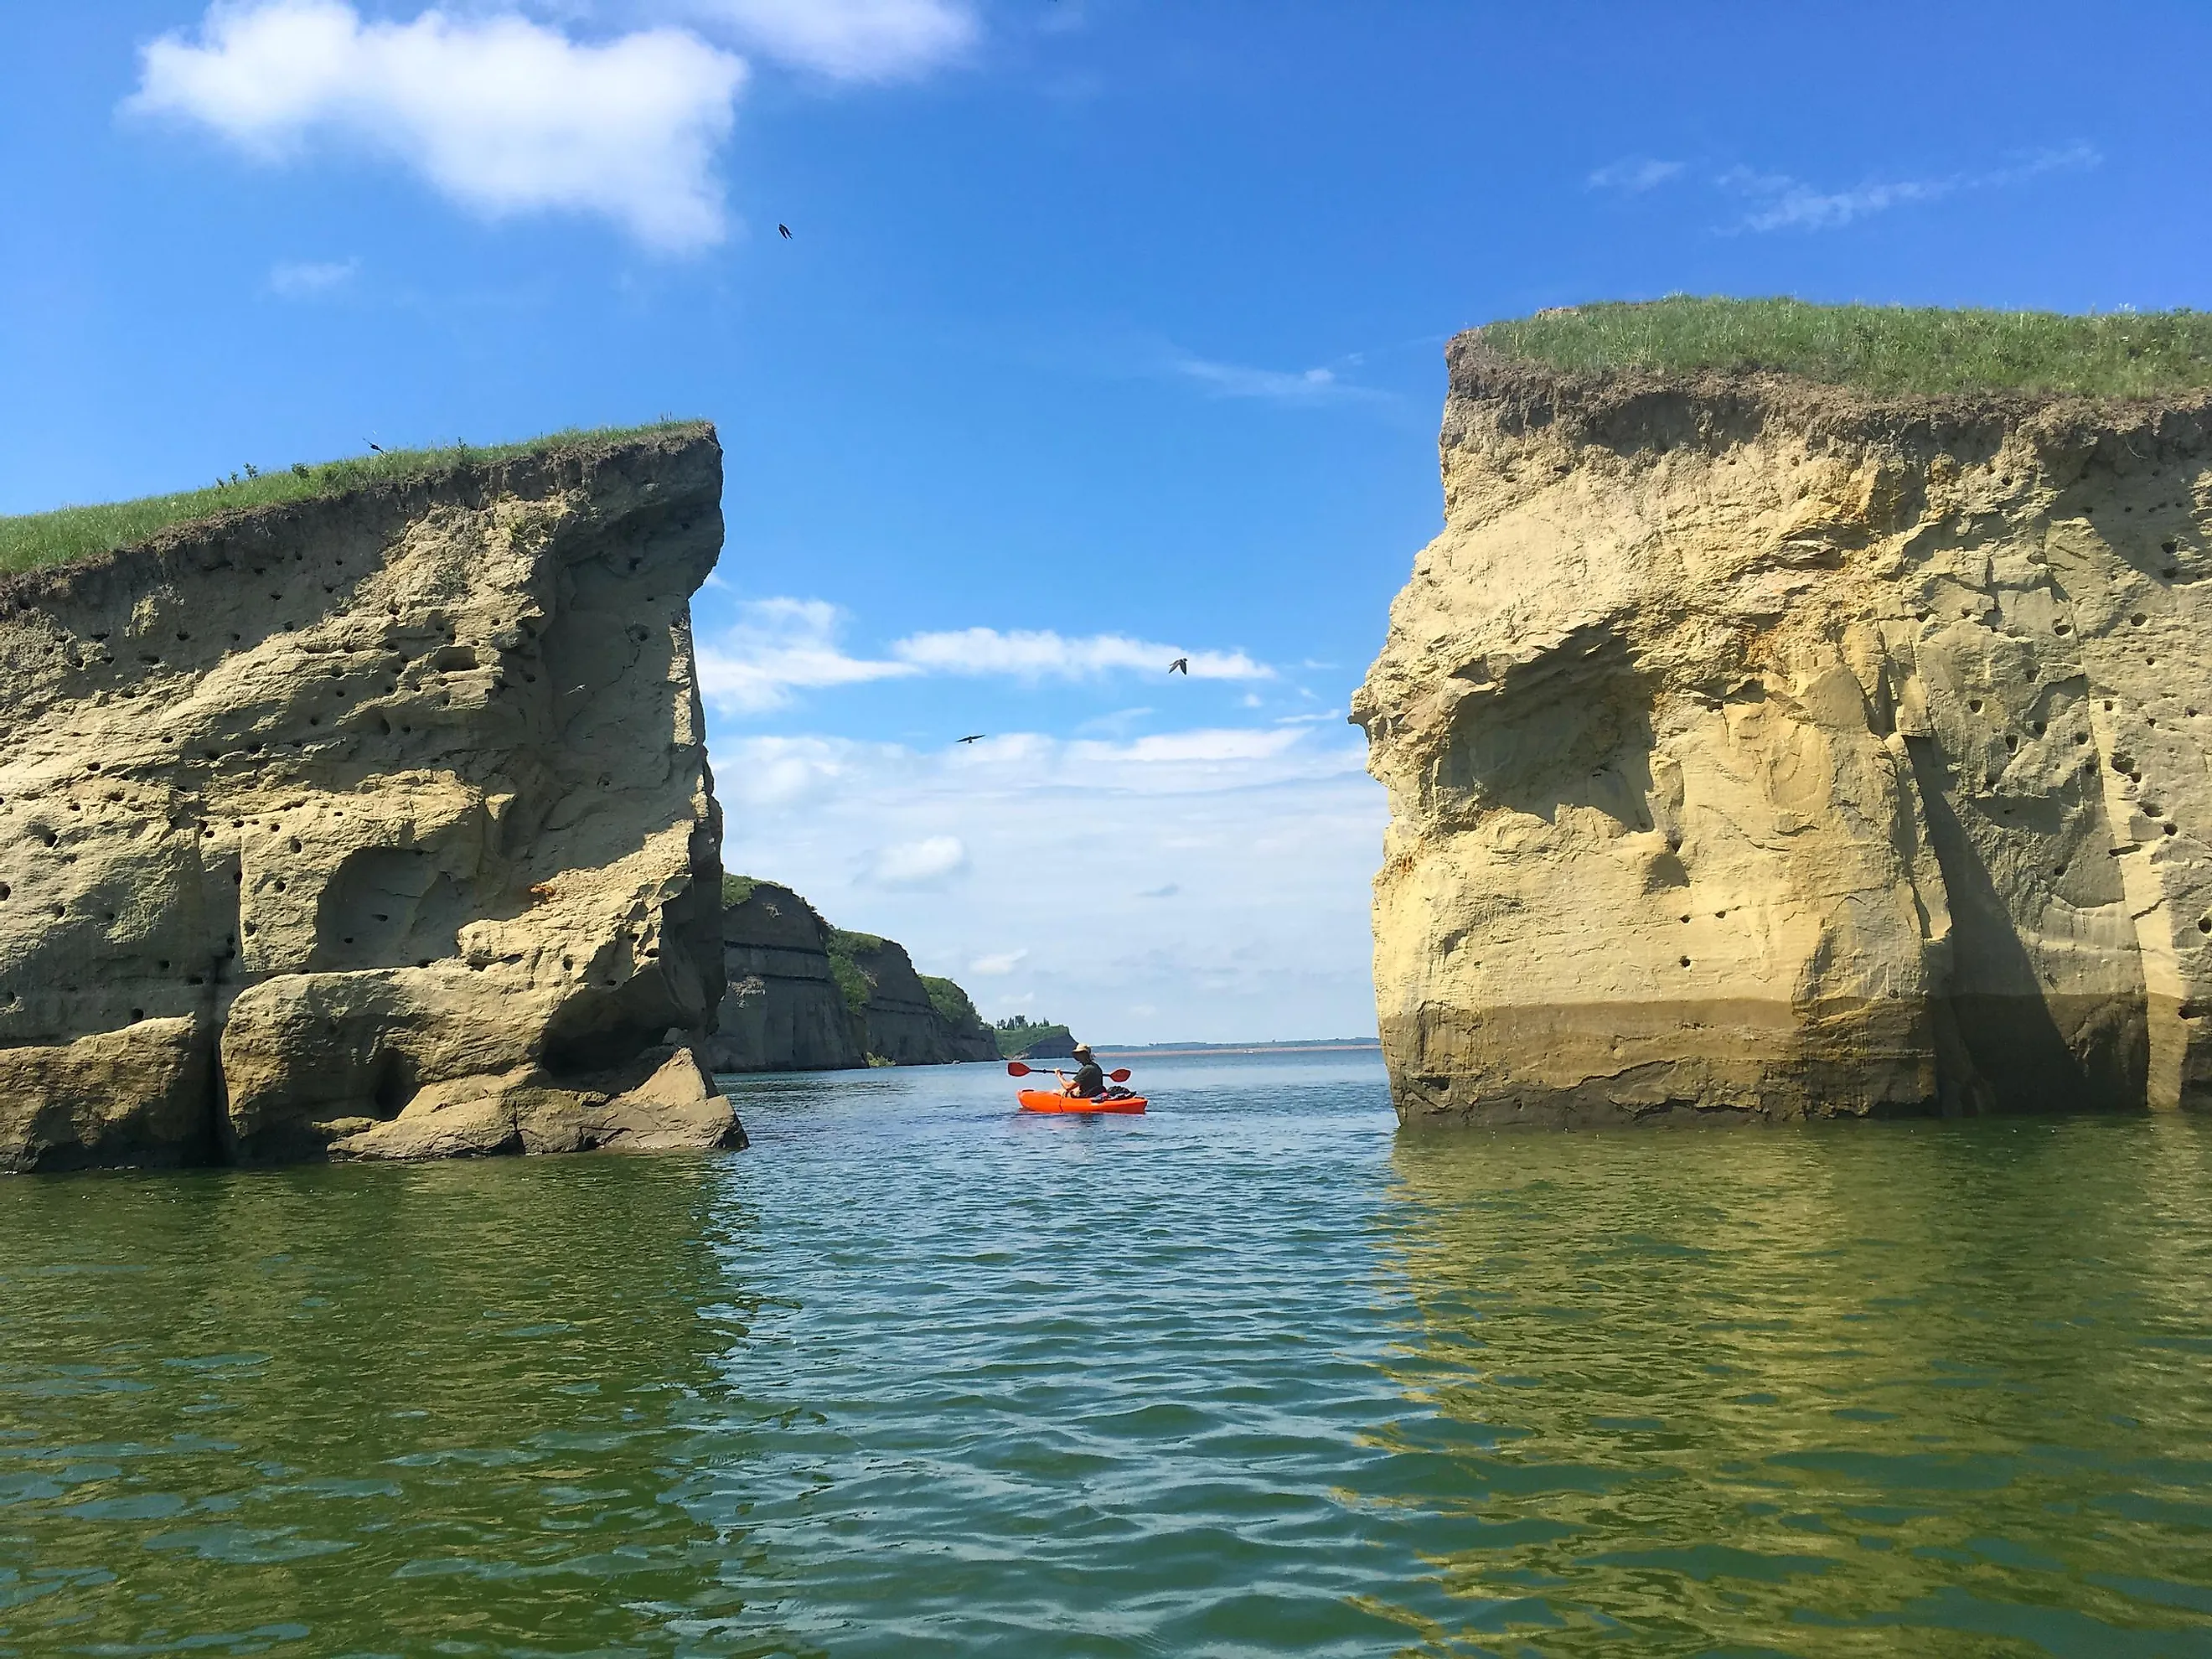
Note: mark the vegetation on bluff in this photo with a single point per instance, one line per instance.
(30, 539)
(1016, 1037)
(1889, 349)
(951, 1002)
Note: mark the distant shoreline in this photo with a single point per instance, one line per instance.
(1171, 1050)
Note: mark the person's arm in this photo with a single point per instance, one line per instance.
(1065, 1087)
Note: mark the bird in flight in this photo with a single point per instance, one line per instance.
(785, 231)
(375, 446)
(976, 736)
(1180, 665)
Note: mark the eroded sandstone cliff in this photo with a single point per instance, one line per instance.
(373, 825)
(1757, 747)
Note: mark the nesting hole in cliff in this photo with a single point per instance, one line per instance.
(278, 885)
(5, 890)
(1686, 962)
(293, 844)
(60, 910)
(137, 1014)
(2062, 628)
(314, 719)
(2172, 829)
(251, 928)
(2036, 727)
(2108, 705)
(2012, 743)
(1974, 705)
(2204, 924)
(2169, 547)
(384, 726)
(2059, 869)
(2138, 619)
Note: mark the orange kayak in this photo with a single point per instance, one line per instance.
(1051, 1100)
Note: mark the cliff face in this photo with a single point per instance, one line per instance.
(783, 1011)
(376, 825)
(900, 1023)
(1756, 748)
(786, 1011)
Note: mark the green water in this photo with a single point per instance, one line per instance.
(1250, 1375)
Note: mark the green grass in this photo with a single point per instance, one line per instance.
(1015, 1040)
(33, 539)
(1881, 348)
(736, 889)
(952, 1003)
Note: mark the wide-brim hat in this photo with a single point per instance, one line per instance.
(1083, 1048)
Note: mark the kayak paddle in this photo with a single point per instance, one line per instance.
(1015, 1068)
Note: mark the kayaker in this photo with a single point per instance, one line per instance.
(1089, 1082)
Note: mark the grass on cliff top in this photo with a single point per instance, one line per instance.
(33, 539)
(1891, 348)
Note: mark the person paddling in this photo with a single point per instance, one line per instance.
(1089, 1082)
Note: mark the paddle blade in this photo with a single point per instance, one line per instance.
(1015, 1068)
(1122, 1076)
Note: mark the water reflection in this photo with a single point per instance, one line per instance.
(1784, 1394)
(337, 1411)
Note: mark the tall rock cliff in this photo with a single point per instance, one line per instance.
(1761, 748)
(900, 1021)
(783, 1011)
(372, 825)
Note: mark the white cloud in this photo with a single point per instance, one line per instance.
(929, 862)
(1788, 203)
(1265, 842)
(782, 646)
(1634, 174)
(1307, 385)
(499, 113)
(1041, 655)
(851, 39)
(310, 279)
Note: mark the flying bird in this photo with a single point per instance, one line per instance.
(785, 230)
(976, 736)
(1180, 665)
(375, 446)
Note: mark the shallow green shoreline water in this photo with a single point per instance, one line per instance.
(1253, 1375)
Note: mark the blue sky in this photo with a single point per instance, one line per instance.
(1115, 322)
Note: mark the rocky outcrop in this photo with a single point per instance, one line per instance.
(805, 996)
(783, 1011)
(378, 824)
(901, 1024)
(1758, 749)
(966, 1034)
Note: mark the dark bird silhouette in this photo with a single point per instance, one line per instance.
(785, 231)
(976, 736)
(378, 447)
(1180, 665)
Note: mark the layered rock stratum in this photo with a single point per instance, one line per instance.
(805, 996)
(372, 825)
(783, 1011)
(1760, 749)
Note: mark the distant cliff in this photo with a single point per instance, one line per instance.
(783, 1011)
(372, 824)
(1761, 748)
(806, 996)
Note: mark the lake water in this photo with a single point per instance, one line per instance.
(1253, 1375)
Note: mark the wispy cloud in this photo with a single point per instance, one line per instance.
(1043, 654)
(1305, 386)
(1634, 174)
(1785, 203)
(849, 40)
(1250, 850)
(930, 862)
(780, 646)
(308, 279)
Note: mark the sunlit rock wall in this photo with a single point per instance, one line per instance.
(1756, 748)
